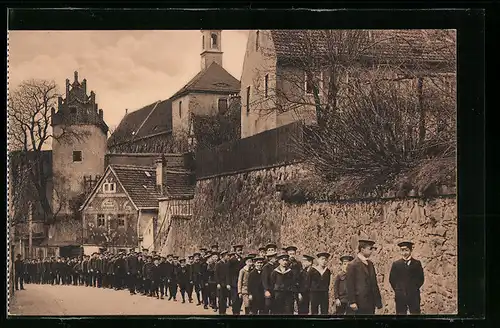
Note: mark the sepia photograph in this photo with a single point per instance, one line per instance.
(232, 172)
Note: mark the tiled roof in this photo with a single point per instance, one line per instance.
(179, 183)
(215, 78)
(140, 184)
(425, 45)
(151, 119)
(159, 121)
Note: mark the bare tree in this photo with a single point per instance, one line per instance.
(383, 101)
(30, 108)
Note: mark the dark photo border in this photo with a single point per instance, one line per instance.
(470, 25)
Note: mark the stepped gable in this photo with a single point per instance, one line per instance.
(424, 45)
(140, 184)
(213, 79)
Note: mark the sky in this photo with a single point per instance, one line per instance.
(126, 69)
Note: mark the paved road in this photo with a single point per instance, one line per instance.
(47, 300)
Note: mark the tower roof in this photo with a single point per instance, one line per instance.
(213, 79)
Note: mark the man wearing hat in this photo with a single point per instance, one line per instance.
(183, 278)
(236, 264)
(156, 278)
(195, 273)
(212, 280)
(283, 283)
(214, 248)
(262, 253)
(131, 267)
(271, 247)
(256, 288)
(19, 271)
(319, 285)
(303, 288)
(340, 288)
(223, 278)
(267, 269)
(363, 292)
(296, 268)
(243, 294)
(147, 274)
(406, 279)
(204, 279)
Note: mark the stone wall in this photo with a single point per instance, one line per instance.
(246, 208)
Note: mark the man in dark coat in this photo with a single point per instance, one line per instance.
(190, 285)
(183, 278)
(196, 274)
(296, 268)
(211, 279)
(147, 273)
(19, 272)
(267, 269)
(283, 285)
(235, 265)
(256, 288)
(319, 285)
(363, 292)
(340, 287)
(406, 279)
(132, 268)
(223, 279)
(303, 285)
(171, 275)
(156, 278)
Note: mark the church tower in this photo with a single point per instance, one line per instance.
(79, 143)
(211, 48)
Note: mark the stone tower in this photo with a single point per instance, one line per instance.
(211, 48)
(79, 144)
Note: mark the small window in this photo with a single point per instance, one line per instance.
(100, 220)
(257, 41)
(72, 110)
(222, 105)
(77, 156)
(121, 220)
(147, 174)
(308, 83)
(109, 187)
(213, 41)
(248, 99)
(266, 80)
(203, 42)
(180, 108)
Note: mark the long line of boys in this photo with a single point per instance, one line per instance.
(265, 283)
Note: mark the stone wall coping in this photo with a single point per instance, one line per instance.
(373, 199)
(257, 168)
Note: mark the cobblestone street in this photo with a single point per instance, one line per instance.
(46, 300)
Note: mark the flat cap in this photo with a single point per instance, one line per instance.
(223, 253)
(196, 254)
(366, 242)
(262, 248)
(271, 245)
(323, 254)
(291, 248)
(346, 258)
(237, 246)
(258, 259)
(283, 257)
(308, 258)
(214, 246)
(408, 244)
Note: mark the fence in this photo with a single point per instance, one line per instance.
(270, 148)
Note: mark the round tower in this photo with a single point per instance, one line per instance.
(79, 144)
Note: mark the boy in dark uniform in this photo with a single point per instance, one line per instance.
(196, 274)
(304, 290)
(283, 285)
(190, 284)
(267, 269)
(171, 279)
(340, 287)
(212, 280)
(363, 292)
(132, 268)
(183, 278)
(156, 277)
(406, 279)
(319, 285)
(296, 268)
(147, 273)
(235, 265)
(255, 287)
(271, 248)
(222, 276)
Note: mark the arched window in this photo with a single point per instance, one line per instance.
(213, 41)
(257, 41)
(203, 42)
(180, 108)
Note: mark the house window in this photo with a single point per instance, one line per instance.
(203, 42)
(109, 187)
(248, 99)
(100, 220)
(266, 80)
(121, 220)
(257, 41)
(180, 108)
(77, 156)
(308, 83)
(222, 105)
(213, 41)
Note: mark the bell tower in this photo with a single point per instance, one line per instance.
(211, 48)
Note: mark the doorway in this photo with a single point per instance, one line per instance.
(70, 251)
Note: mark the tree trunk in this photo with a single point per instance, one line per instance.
(421, 125)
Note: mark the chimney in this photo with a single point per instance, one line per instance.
(67, 88)
(84, 86)
(59, 102)
(160, 162)
(126, 111)
(101, 114)
(76, 76)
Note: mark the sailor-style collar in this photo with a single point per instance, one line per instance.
(320, 270)
(282, 272)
